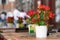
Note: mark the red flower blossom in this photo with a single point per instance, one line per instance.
(36, 12)
(51, 15)
(30, 12)
(47, 8)
(33, 20)
(43, 7)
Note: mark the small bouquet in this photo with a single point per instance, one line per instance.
(20, 22)
(10, 19)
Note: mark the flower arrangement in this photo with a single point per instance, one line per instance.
(20, 22)
(41, 16)
(10, 20)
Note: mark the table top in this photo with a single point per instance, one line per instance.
(25, 36)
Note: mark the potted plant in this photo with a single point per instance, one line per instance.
(40, 19)
(20, 22)
(10, 22)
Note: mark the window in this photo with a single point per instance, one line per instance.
(57, 3)
(28, 4)
(25, 4)
(3, 1)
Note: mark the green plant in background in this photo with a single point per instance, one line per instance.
(20, 22)
(10, 20)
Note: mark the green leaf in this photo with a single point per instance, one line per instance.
(42, 23)
(41, 16)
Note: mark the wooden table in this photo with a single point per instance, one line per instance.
(25, 36)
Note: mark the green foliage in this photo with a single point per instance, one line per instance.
(42, 23)
(20, 20)
(41, 15)
(21, 25)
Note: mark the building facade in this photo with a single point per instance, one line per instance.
(6, 5)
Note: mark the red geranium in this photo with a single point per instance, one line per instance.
(33, 20)
(44, 7)
(30, 12)
(47, 8)
(41, 16)
(10, 19)
(51, 15)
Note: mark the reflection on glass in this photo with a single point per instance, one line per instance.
(25, 4)
(57, 10)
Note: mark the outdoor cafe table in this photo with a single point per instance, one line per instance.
(25, 36)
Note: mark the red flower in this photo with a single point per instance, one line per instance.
(42, 15)
(51, 15)
(36, 12)
(33, 20)
(30, 12)
(10, 19)
(47, 8)
(43, 7)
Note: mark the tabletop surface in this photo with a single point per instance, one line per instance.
(27, 36)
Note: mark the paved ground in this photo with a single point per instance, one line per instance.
(26, 36)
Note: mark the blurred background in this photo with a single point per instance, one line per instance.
(6, 5)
